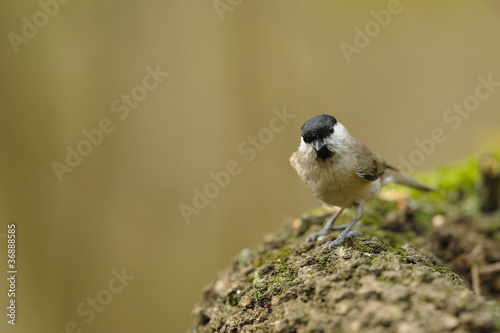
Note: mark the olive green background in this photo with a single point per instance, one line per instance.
(119, 208)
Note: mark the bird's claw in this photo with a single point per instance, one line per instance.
(313, 237)
(334, 243)
(330, 245)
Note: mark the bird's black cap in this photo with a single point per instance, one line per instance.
(318, 127)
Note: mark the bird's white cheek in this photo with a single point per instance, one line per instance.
(304, 147)
(333, 146)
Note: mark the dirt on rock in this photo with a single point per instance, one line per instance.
(283, 285)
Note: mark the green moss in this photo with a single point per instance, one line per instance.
(376, 210)
(441, 269)
(323, 261)
(281, 271)
(231, 300)
(403, 260)
(258, 261)
(454, 183)
(365, 247)
(459, 175)
(497, 324)
(275, 256)
(398, 250)
(258, 296)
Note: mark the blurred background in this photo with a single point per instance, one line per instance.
(123, 209)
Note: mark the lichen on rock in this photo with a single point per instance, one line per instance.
(283, 285)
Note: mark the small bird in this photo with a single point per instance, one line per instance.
(341, 171)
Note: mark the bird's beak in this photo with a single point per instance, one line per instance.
(319, 144)
(322, 150)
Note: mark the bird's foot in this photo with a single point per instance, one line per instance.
(342, 237)
(314, 236)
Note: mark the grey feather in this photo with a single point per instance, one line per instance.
(395, 177)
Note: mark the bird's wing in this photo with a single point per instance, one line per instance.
(370, 166)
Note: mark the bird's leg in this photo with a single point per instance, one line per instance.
(347, 233)
(326, 229)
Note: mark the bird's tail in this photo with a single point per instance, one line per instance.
(391, 176)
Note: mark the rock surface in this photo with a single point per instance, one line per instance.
(283, 285)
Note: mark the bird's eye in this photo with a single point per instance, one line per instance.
(331, 130)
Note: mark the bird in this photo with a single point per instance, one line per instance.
(341, 171)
